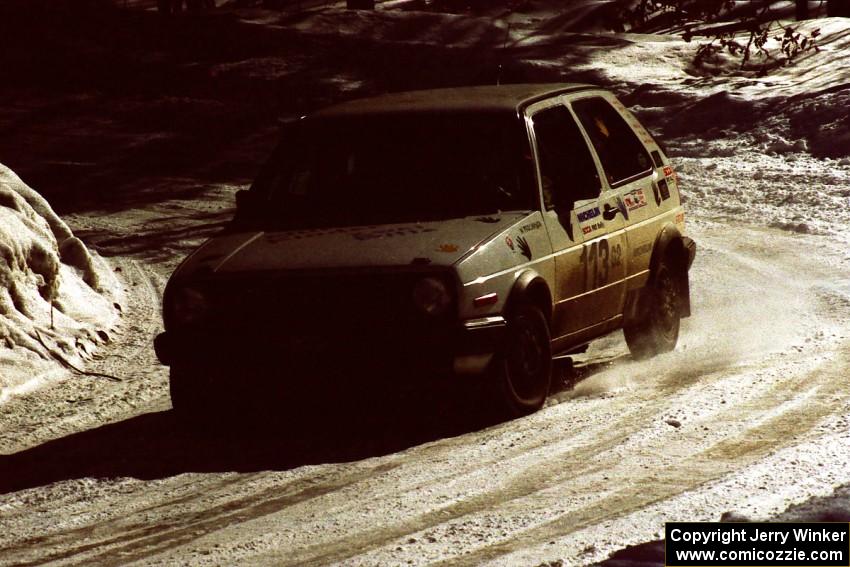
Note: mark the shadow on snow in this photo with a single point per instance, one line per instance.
(158, 445)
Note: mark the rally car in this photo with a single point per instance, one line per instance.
(472, 232)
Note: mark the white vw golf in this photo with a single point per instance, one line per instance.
(469, 231)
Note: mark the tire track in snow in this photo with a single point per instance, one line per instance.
(558, 458)
(140, 540)
(574, 472)
(692, 471)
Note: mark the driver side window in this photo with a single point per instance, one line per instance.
(567, 170)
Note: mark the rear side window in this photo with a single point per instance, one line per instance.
(621, 152)
(567, 170)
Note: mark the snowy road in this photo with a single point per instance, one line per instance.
(743, 416)
(750, 414)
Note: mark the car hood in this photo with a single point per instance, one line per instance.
(435, 243)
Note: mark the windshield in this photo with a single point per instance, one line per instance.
(395, 168)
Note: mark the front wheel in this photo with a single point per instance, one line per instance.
(523, 370)
(658, 331)
(188, 394)
(197, 397)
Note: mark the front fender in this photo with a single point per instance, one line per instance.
(531, 287)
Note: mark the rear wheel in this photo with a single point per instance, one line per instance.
(658, 331)
(523, 370)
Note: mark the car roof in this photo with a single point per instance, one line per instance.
(489, 98)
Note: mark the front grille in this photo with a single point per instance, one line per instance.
(306, 304)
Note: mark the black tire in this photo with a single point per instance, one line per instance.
(185, 393)
(658, 330)
(523, 370)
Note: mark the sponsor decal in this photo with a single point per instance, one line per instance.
(635, 199)
(307, 233)
(524, 248)
(591, 227)
(670, 174)
(509, 242)
(530, 226)
(642, 249)
(589, 219)
(391, 232)
(587, 214)
(447, 248)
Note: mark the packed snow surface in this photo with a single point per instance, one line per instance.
(58, 300)
(750, 414)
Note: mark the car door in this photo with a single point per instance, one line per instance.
(585, 236)
(629, 179)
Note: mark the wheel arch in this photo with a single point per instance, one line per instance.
(670, 247)
(531, 287)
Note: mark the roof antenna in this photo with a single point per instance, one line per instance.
(504, 46)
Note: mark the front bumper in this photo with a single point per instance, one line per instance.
(464, 348)
(479, 341)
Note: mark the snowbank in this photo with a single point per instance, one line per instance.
(58, 300)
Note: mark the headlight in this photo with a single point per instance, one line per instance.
(187, 305)
(431, 296)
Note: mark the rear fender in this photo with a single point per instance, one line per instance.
(670, 247)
